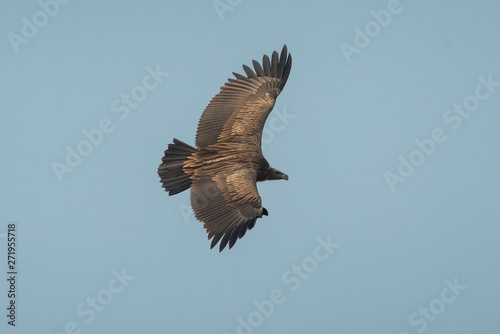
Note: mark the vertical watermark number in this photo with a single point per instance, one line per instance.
(11, 273)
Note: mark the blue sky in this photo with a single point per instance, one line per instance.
(388, 129)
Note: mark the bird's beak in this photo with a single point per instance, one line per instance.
(285, 177)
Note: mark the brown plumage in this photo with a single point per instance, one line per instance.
(223, 169)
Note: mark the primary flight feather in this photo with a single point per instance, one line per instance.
(223, 169)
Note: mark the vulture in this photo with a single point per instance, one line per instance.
(223, 169)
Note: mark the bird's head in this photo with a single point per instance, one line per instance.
(276, 174)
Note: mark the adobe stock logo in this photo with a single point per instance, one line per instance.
(421, 318)
(223, 6)
(40, 19)
(293, 279)
(121, 106)
(453, 116)
(98, 302)
(371, 30)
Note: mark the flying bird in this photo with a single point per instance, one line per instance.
(223, 169)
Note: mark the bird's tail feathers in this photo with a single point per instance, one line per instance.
(171, 171)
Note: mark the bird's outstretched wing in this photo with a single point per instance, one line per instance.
(228, 204)
(239, 111)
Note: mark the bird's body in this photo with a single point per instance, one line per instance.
(223, 169)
